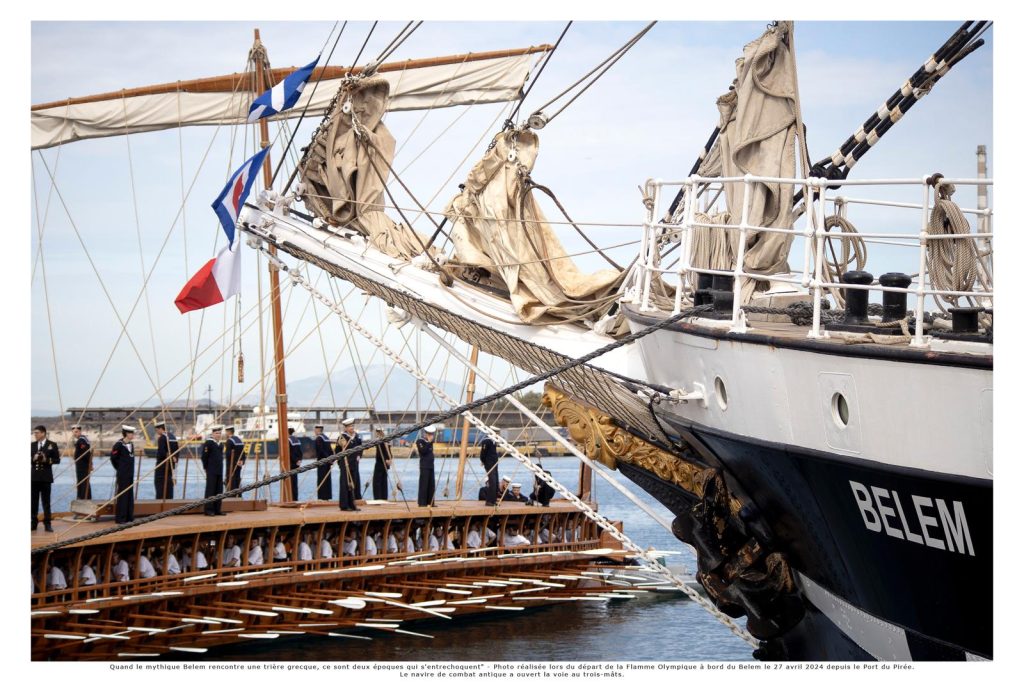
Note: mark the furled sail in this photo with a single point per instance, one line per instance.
(757, 136)
(418, 84)
(497, 226)
(347, 165)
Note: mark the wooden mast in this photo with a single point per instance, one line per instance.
(283, 449)
(463, 447)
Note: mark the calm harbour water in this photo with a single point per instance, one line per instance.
(655, 627)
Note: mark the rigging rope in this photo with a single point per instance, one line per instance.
(218, 416)
(308, 101)
(49, 315)
(539, 472)
(360, 53)
(530, 186)
(184, 228)
(608, 63)
(442, 214)
(466, 410)
(49, 194)
(180, 212)
(138, 236)
(188, 389)
(515, 112)
(123, 323)
(395, 43)
(449, 414)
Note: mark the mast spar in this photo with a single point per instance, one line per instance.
(281, 393)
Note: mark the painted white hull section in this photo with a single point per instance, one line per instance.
(918, 415)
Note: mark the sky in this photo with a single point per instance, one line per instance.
(647, 117)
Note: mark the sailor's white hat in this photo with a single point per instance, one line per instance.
(348, 422)
(217, 427)
(517, 485)
(506, 479)
(319, 426)
(430, 429)
(129, 429)
(76, 426)
(160, 425)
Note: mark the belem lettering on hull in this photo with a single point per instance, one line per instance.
(876, 510)
(809, 500)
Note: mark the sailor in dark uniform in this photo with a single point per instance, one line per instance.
(166, 459)
(294, 460)
(351, 440)
(213, 462)
(234, 453)
(381, 464)
(348, 487)
(489, 459)
(322, 446)
(517, 494)
(425, 451)
(542, 491)
(122, 458)
(44, 455)
(83, 463)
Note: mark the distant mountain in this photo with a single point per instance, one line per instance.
(394, 392)
(309, 391)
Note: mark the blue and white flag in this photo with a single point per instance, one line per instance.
(221, 277)
(231, 198)
(282, 96)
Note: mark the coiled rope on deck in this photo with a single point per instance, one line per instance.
(952, 262)
(852, 251)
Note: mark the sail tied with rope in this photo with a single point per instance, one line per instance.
(499, 227)
(347, 166)
(758, 129)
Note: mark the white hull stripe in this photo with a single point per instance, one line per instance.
(883, 640)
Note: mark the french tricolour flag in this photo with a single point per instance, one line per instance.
(221, 277)
(282, 96)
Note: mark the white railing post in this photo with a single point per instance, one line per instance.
(685, 243)
(922, 267)
(819, 255)
(652, 247)
(805, 280)
(741, 252)
(637, 275)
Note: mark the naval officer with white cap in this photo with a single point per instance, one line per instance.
(425, 450)
(122, 457)
(166, 459)
(322, 447)
(349, 465)
(83, 463)
(381, 464)
(213, 463)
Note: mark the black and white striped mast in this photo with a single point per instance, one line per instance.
(963, 42)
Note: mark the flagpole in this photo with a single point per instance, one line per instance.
(283, 446)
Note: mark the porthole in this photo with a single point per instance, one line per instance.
(840, 410)
(721, 394)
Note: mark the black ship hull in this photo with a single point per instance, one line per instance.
(893, 563)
